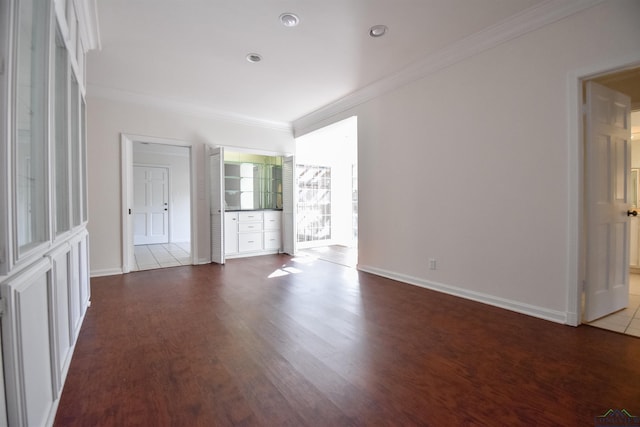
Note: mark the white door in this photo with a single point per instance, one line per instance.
(150, 205)
(607, 171)
(216, 195)
(289, 205)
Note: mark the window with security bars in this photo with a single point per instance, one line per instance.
(354, 201)
(314, 203)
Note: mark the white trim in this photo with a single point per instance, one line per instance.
(515, 26)
(234, 149)
(127, 141)
(518, 307)
(202, 261)
(182, 107)
(575, 240)
(106, 272)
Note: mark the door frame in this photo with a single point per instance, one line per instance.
(126, 163)
(576, 242)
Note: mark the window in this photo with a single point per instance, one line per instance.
(314, 203)
(354, 201)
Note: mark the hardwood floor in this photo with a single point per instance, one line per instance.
(267, 341)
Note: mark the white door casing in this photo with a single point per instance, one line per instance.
(289, 205)
(607, 174)
(216, 193)
(150, 205)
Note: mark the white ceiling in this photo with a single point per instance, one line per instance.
(192, 52)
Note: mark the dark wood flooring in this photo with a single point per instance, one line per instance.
(267, 341)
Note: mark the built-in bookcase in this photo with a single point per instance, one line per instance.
(44, 279)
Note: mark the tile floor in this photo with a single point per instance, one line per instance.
(627, 320)
(148, 257)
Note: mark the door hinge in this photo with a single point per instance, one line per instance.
(3, 306)
(584, 108)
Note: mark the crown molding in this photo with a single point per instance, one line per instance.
(515, 26)
(182, 107)
(87, 11)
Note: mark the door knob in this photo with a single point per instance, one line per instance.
(632, 213)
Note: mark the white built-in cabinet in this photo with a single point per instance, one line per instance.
(250, 233)
(248, 194)
(44, 275)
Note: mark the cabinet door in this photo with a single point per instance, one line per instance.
(28, 346)
(272, 240)
(230, 232)
(216, 189)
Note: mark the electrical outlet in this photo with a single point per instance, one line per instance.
(432, 263)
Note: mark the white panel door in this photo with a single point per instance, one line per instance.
(608, 171)
(289, 205)
(150, 205)
(216, 195)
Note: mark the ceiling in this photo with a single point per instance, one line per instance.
(192, 52)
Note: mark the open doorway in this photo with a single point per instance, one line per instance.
(327, 189)
(158, 198)
(627, 319)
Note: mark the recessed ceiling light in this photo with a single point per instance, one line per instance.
(254, 57)
(289, 19)
(378, 30)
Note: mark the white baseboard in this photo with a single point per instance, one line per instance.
(519, 307)
(203, 261)
(105, 272)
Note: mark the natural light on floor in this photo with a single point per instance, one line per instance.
(284, 271)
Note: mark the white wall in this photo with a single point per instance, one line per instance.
(107, 119)
(177, 160)
(469, 165)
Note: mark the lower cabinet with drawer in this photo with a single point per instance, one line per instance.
(253, 233)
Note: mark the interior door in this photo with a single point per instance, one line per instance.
(289, 191)
(607, 171)
(216, 196)
(150, 205)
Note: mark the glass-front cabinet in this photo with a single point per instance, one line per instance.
(252, 181)
(30, 126)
